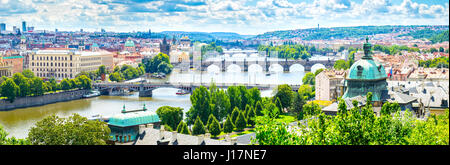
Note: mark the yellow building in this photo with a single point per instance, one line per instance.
(66, 63)
(5, 68)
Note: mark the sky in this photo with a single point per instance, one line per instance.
(241, 16)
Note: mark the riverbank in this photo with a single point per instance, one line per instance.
(31, 101)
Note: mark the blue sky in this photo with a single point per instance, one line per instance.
(241, 16)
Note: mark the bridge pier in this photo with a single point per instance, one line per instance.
(146, 93)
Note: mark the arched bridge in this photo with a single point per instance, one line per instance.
(146, 89)
(265, 64)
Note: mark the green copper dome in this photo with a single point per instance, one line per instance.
(367, 68)
(129, 43)
(366, 75)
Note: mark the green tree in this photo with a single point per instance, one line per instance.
(115, 77)
(258, 108)
(240, 122)
(199, 127)
(85, 82)
(27, 73)
(235, 114)
(74, 130)
(9, 89)
(255, 95)
(171, 116)
(10, 141)
(234, 95)
(284, 94)
(201, 106)
(311, 109)
(38, 86)
(250, 116)
(214, 127)
(65, 84)
(297, 106)
(309, 78)
(341, 64)
(306, 91)
(228, 125)
(183, 128)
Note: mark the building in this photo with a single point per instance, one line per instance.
(5, 68)
(2, 27)
(129, 46)
(24, 26)
(126, 126)
(366, 75)
(23, 43)
(329, 84)
(164, 47)
(16, 63)
(66, 63)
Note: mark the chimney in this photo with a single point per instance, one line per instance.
(161, 132)
(201, 140)
(150, 126)
(141, 129)
(174, 136)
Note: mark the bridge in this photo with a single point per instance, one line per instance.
(146, 89)
(264, 64)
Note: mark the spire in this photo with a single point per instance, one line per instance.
(367, 47)
(145, 108)
(123, 110)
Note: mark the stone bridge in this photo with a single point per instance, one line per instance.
(146, 89)
(265, 64)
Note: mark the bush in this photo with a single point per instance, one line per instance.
(228, 126)
(214, 127)
(241, 122)
(235, 114)
(199, 127)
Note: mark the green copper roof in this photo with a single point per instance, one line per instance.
(12, 57)
(133, 118)
(367, 70)
(129, 43)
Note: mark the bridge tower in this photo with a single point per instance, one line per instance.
(223, 65)
(245, 65)
(267, 65)
(286, 65)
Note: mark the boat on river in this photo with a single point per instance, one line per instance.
(92, 94)
(182, 92)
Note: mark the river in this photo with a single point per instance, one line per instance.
(18, 122)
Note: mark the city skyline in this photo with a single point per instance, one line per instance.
(243, 16)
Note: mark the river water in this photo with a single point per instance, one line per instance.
(18, 122)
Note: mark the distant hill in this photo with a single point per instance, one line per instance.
(204, 36)
(344, 32)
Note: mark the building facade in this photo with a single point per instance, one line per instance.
(367, 75)
(66, 63)
(329, 84)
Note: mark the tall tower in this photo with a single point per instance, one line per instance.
(24, 27)
(23, 43)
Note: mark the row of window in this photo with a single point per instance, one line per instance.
(51, 64)
(58, 75)
(90, 59)
(51, 58)
(91, 64)
(50, 70)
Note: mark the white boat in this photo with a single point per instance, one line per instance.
(92, 94)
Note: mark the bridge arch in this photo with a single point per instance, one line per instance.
(213, 69)
(276, 68)
(234, 68)
(317, 66)
(255, 68)
(296, 68)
